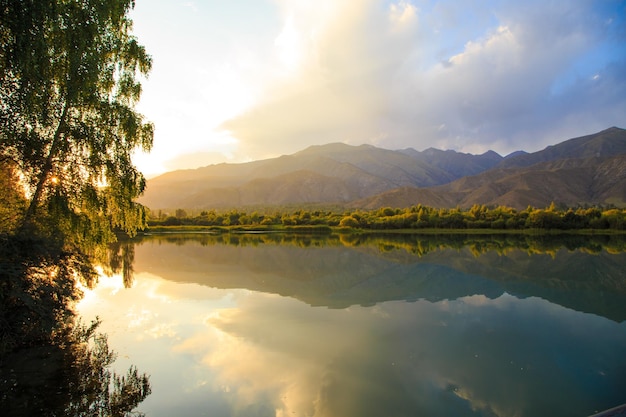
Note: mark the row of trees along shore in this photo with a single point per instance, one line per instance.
(415, 217)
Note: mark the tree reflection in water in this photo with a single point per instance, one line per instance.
(50, 363)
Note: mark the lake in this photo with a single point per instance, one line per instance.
(358, 325)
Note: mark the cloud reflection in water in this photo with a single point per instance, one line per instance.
(236, 352)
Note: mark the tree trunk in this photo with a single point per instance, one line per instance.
(45, 171)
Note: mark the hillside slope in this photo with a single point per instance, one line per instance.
(568, 182)
(585, 170)
(606, 143)
(333, 173)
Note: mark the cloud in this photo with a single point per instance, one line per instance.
(500, 86)
(409, 74)
(196, 159)
(336, 85)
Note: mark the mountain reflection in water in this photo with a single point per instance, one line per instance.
(579, 272)
(264, 325)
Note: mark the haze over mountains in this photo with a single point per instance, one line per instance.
(586, 170)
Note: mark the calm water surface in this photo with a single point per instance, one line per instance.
(346, 326)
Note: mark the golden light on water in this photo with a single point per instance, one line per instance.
(106, 284)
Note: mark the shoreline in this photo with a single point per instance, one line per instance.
(216, 230)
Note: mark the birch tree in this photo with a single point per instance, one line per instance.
(69, 81)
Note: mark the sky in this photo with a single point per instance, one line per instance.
(240, 80)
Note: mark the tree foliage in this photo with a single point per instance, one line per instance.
(69, 81)
(12, 202)
(416, 217)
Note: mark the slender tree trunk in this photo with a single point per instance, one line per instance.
(45, 171)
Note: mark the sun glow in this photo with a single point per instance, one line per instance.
(106, 285)
(288, 46)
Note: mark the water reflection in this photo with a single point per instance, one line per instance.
(585, 273)
(50, 363)
(242, 327)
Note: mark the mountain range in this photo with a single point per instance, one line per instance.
(585, 170)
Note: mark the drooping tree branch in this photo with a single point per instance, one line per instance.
(68, 87)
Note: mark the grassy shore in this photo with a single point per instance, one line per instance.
(347, 230)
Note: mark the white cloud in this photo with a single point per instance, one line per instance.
(282, 75)
(402, 14)
(368, 72)
(346, 54)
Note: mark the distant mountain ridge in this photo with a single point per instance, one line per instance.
(607, 143)
(455, 163)
(586, 170)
